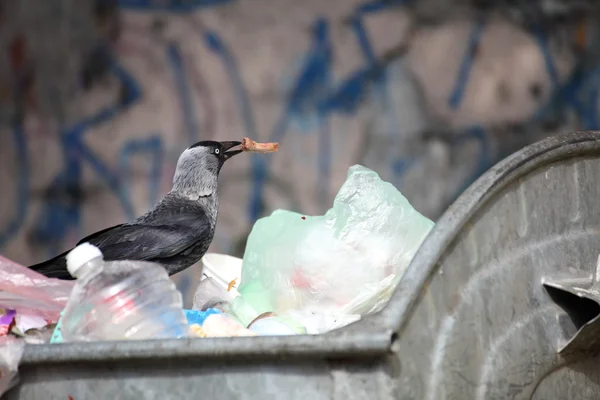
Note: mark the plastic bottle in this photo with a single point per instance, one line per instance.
(120, 300)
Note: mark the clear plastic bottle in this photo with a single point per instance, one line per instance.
(120, 300)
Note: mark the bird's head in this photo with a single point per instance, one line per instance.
(199, 165)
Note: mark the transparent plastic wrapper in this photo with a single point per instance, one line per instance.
(326, 271)
(28, 292)
(209, 294)
(11, 350)
(269, 325)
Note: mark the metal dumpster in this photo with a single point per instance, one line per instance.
(499, 303)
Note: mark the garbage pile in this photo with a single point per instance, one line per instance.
(319, 273)
(30, 303)
(300, 274)
(30, 306)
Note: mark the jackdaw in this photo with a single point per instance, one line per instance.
(178, 231)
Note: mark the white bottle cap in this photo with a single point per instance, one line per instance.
(80, 256)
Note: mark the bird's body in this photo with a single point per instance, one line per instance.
(177, 232)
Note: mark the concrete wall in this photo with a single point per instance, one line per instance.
(92, 140)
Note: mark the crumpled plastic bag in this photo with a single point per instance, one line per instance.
(31, 293)
(11, 351)
(341, 265)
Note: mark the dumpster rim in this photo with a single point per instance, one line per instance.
(412, 287)
(335, 345)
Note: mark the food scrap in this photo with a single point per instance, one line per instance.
(198, 331)
(256, 147)
(231, 285)
(303, 218)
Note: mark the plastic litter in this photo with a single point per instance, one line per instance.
(6, 321)
(224, 269)
(30, 293)
(198, 317)
(326, 271)
(221, 276)
(209, 294)
(120, 300)
(30, 303)
(216, 291)
(194, 318)
(300, 274)
(223, 325)
(270, 326)
(26, 322)
(11, 351)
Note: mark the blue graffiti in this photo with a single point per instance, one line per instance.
(548, 60)
(380, 5)
(313, 85)
(467, 63)
(214, 43)
(314, 76)
(183, 89)
(218, 47)
(259, 164)
(174, 6)
(590, 115)
(316, 94)
(312, 97)
(378, 76)
(310, 91)
(154, 147)
(456, 96)
(580, 93)
(61, 210)
(400, 167)
(350, 93)
(313, 82)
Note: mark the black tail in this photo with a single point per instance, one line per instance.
(54, 268)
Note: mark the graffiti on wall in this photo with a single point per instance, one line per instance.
(153, 56)
(315, 95)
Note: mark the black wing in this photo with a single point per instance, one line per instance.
(54, 268)
(162, 237)
(144, 242)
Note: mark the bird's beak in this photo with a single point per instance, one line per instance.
(228, 145)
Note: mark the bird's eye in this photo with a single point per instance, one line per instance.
(217, 151)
